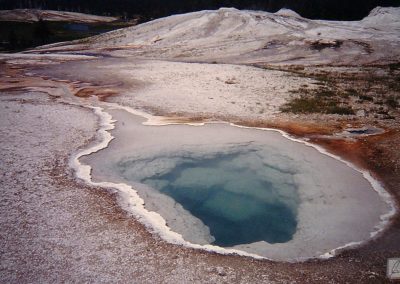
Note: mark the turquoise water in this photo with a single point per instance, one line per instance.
(239, 196)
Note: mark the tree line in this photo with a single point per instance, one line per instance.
(150, 9)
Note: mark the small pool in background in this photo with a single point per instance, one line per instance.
(78, 27)
(237, 195)
(245, 189)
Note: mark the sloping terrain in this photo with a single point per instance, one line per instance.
(33, 15)
(230, 35)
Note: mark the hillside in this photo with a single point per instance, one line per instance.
(231, 35)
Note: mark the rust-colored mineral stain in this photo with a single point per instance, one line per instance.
(294, 128)
(102, 94)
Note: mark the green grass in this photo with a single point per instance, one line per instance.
(339, 91)
(321, 100)
(312, 104)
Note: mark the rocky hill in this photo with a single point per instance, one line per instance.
(231, 35)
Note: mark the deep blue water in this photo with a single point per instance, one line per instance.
(238, 196)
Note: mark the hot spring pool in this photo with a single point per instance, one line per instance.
(238, 196)
(251, 190)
